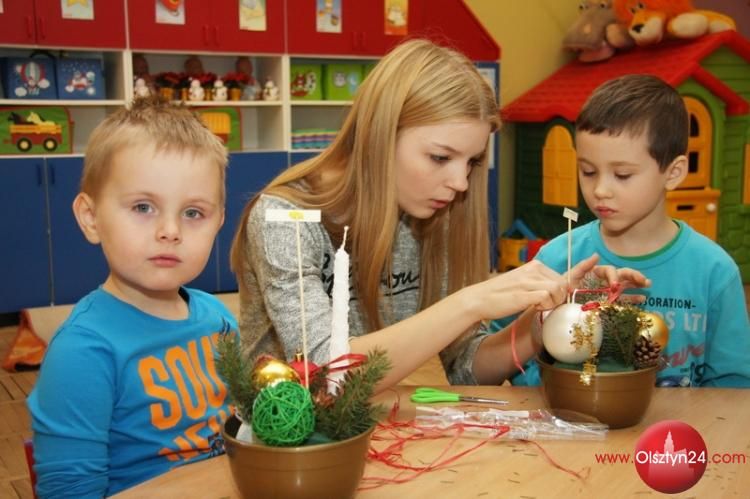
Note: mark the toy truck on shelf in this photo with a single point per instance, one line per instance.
(33, 130)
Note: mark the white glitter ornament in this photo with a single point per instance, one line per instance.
(571, 334)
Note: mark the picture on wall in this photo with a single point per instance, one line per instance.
(35, 130)
(329, 18)
(170, 11)
(253, 15)
(78, 9)
(396, 17)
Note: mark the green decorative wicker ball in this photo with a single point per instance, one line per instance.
(283, 414)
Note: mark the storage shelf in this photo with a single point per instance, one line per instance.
(334, 103)
(234, 103)
(62, 102)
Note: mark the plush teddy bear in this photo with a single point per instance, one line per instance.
(650, 20)
(597, 32)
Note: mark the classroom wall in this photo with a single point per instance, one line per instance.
(530, 35)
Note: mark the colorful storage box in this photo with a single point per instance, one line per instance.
(341, 81)
(225, 123)
(28, 78)
(35, 130)
(306, 81)
(80, 79)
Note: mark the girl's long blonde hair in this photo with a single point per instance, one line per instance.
(353, 181)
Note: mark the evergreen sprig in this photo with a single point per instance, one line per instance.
(351, 412)
(620, 330)
(236, 371)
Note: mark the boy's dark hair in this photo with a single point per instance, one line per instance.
(639, 104)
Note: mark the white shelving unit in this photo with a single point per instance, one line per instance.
(266, 125)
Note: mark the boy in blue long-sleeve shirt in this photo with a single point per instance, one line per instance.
(631, 140)
(128, 387)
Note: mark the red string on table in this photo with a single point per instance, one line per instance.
(404, 432)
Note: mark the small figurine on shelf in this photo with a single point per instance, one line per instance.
(140, 88)
(140, 69)
(270, 90)
(251, 90)
(220, 91)
(196, 92)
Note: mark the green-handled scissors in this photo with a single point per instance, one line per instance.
(424, 395)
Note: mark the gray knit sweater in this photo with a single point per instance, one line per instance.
(270, 319)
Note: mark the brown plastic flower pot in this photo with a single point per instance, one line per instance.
(618, 399)
(331, 470)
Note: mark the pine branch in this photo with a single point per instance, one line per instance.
(351, 412)
(236, 371)
(620, 330)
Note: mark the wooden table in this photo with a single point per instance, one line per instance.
(508, 468)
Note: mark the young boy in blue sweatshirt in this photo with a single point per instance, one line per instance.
(128, 387)
(631, 141)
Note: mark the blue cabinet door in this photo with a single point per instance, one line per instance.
(248, 173)
(78, 266)
(24, 243)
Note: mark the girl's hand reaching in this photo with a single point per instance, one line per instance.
(536, 285)
(530, 285)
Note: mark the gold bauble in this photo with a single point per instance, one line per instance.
(654, 328)
(269, 371)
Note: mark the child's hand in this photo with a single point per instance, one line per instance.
(625, 277)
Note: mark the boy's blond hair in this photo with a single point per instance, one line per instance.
(149, 121)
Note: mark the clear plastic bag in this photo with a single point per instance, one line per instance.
(537, 424)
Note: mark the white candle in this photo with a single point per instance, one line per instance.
(339, 344)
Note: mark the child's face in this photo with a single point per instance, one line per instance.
(156, 217)
(621, 182)
(433, 163)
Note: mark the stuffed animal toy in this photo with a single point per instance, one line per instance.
(597, 32)
(650, 20)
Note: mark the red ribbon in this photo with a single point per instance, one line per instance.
(341, 363)
(516, 360)
(402, 433)
(613, 293)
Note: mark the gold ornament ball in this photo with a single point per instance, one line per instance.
(269, 371)
(654, 327)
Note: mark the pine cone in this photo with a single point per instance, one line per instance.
(646, 352)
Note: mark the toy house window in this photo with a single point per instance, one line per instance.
(559, 171)
(699, 145)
